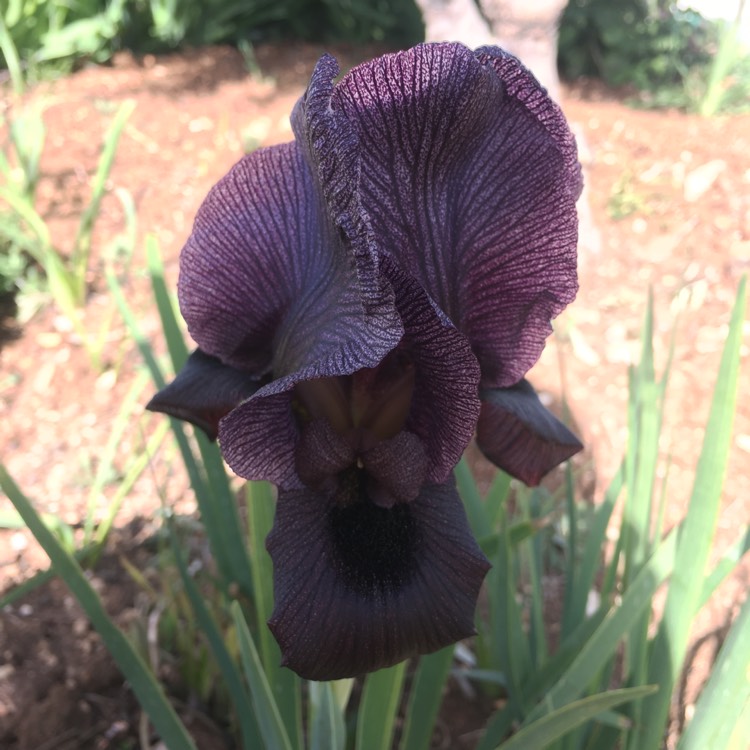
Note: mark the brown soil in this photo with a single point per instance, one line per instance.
(686, 236)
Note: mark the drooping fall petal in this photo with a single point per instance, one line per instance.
(469, 175)
(518, 434)
(364, 587)
(204, 391)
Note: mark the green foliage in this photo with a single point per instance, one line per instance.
(616, 639)
(19, 173)
(674, 58)
(632, 42)
(144, 684)
(26, 243)
(35, 33)
(608, 680)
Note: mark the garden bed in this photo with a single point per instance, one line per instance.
(670, 197)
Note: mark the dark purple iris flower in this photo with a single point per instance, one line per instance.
(365, 300)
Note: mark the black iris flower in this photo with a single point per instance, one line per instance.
(365, 300)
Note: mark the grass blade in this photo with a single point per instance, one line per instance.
(603, 643)
(726, 695)
(136, 468)
(425, 699)
(591, 559)
(472, 500)
(242, 707)
(105, 467)
(725, 566)
(12, 61)
(670, 642)
(145, 686)
(561, 721)
(496, 498)
(271, 726)
(539, 684)
(178, 350)
(508, 643)
(285, 685)
(377, 710)
(82, 244)
(326, 721)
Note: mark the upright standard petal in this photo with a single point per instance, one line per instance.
(445, 403)
(364, 587)
(469, 175)
(267, 285)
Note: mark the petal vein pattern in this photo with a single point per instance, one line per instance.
(469, 175)
(266, 284)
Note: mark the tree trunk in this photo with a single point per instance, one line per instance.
(526, 28)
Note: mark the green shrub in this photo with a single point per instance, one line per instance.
(53, 31)
(674, 58)
(633, 42)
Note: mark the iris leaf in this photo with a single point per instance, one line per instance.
(285, 685)
(326, 721)
(425, 699)
(726, 695)
(377, 711)
(669, 646)
(600, 647)
(266, 709)
(556, 724)
(145, 686)
(232, 678)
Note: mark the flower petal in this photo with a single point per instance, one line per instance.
(469, 175)
(203, 392)
(321, 452)
(365, 587)
(331, 148)
(518, 434)
(397, 469)
(445, 403)
(259, 439)
(266, 283)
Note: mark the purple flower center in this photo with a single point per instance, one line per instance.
(372, 403)
(353, 428)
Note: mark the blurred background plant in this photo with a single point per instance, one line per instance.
(26, 243)
(54, 36)
(671, 57)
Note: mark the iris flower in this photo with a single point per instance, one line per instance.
(365, 300)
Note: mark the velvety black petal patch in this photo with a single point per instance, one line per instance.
(363, 587)
(518, 434)
(375, 548)
(203, 392)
